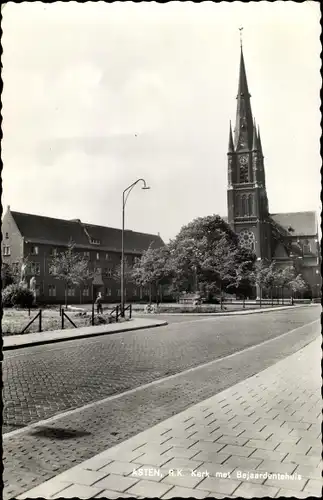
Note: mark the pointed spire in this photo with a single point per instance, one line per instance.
(231, 146)
(254, 137)
(243, 132)
(243, 84)
(259, 141)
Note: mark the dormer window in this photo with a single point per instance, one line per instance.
(34, 250)
(291, 229)
(95, 242)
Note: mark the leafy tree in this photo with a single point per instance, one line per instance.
(70, 267)
(297, 284)
(153, 269)
(209, 249)
(265, 276)
(15, 295)
(127, 273)
(7, 275)
(11, 273)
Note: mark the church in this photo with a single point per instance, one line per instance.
(290, 239)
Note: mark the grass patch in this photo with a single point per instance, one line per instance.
(15, 320)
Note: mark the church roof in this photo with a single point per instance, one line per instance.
(302, 223)
(37, 228)
(243, 131)
(297, 223)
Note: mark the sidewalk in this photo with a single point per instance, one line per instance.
(241, 312)
(30, 339)
(259, 438)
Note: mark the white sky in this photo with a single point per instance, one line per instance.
(97, 95)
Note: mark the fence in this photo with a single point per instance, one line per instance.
(63, 316)
(39, 316)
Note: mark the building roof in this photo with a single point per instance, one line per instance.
(37, 228)
(297, 223)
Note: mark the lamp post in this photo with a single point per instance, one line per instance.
(125, 195)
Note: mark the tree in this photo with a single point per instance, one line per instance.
(265, 275)
(153, 269)
(284, 277)
(11, 273)
(209, 249)
(297, 284)
(70, 267)
(127, 273)
(7, 275)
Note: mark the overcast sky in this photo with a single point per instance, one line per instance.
(97, 95)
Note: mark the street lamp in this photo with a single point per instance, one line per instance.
(125, 195)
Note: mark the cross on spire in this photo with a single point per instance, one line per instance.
(240, 29)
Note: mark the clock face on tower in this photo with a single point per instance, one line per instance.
(243, 160)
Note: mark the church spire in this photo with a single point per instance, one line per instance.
(259, 142)
(254, 137)
(243, 132)
(231, 146)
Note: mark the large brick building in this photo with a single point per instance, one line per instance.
(287, 238)
(38, 238)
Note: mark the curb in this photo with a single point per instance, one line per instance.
(233, 313)
(85, 335)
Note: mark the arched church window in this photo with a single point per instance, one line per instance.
(244, 205)
(250, 204)
(244, 177)
(247, 239)
(237, 205)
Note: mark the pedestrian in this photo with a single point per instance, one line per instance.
(99, 308)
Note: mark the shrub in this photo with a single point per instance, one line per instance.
(17, 296)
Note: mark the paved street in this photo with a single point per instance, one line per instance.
(259, 438)
(46, 380)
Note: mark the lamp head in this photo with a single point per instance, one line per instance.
(145, 187)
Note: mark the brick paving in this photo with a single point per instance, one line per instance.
(42, 381)
(38, 454)
(286, 389)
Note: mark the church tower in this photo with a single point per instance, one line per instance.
(247, 197)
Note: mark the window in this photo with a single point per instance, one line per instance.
(35, 268)
(108, 272)
(86, 291)
(70, 291)
(244, 175)
(34, 250)
(118, 292)
(107, 256)
(6, 250)
(97, 256)
(53, 252)
(108, 292)
(37, 290)
(134, 293)
(250, 204)
(247, 239)
(306, 247)
(98, 270)
(7, 236)
(52, 290)
(86, 255)
(95, 242)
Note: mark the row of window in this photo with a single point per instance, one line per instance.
(86, 291)
(244, 205)
(35, 251)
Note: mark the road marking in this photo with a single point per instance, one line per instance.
(145, 386)
(97, 339)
